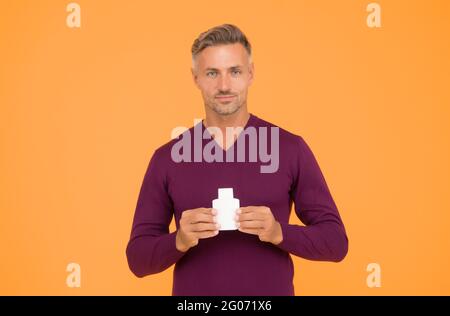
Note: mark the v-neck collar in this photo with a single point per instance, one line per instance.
(250, 122)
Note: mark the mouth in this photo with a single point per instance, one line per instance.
(225, 97)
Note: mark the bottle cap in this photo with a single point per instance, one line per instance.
(226, 193)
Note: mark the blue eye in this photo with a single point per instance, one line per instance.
(211, 74)
(236, 72)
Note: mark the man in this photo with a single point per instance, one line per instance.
(255, 259)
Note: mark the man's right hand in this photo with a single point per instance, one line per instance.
(196, 224)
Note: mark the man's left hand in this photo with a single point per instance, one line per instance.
(259, 220)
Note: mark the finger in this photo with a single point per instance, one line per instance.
(208, 234)
(202, 210)
(200, 227)
(252, 231)
(246, 209)
(251, 224)
(202, 218)
(251, 209)
(250, 216)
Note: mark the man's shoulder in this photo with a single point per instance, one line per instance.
(286, 138)
(164, 150)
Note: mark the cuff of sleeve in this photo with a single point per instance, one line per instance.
(288, 243)
(174, 254)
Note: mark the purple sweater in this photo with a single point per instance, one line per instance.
(233, 262)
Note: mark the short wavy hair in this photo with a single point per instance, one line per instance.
(220, 35)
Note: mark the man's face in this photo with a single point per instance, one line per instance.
(223, 74)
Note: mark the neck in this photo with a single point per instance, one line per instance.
(237, 119)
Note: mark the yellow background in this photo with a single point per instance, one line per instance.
(81, 111)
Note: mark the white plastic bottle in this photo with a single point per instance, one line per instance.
(226, 206)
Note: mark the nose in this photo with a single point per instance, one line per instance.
(223, 83)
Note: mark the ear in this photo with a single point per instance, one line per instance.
(251, 71)
(194, 76)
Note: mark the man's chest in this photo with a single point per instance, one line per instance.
(194, 185)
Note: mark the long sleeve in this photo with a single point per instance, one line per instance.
(324, 237)
(152, 248)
